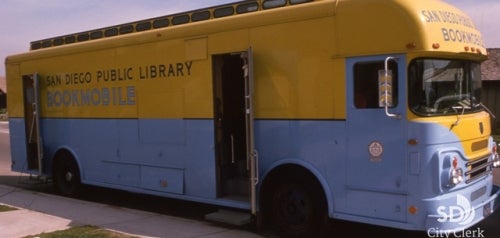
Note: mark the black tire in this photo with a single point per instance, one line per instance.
(297, 207)
(66, 175)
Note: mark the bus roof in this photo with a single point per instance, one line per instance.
(361, 27)
(165, 21)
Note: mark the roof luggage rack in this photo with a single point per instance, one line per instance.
(165, 21)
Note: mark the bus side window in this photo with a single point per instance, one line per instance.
(366, 84)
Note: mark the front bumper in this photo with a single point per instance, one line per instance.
(460, 217)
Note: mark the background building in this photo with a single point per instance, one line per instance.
(3, 93)
(491, 85)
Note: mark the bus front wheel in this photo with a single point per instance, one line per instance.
(296, 206)
(66, 175)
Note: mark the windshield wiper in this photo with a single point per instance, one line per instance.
(486, 109)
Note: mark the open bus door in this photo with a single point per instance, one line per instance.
(251, 152)
(34, 146)
(237, 172)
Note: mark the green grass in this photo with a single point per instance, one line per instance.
(82, 232)
(74, 232)
(4, 208)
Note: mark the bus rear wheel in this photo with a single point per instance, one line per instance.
(296, 207)
(66, 175)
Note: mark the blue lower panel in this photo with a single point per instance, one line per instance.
(163, 179)
(173, 156)
(382, 205)
(176, 158)
(18, 145)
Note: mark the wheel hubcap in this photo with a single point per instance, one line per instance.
(294, 208)
(69, 176)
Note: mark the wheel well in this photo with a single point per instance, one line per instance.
(282, 174)
(280, 179)
(66, 173)
(61, 154)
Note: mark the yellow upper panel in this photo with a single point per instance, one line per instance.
(167, 73)
(299, 58)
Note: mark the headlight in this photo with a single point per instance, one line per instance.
(496, 158)
(496, 163)
(456, 174)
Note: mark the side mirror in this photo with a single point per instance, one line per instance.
(385, 88)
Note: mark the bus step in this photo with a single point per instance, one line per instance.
(34, 180)
(230, 217)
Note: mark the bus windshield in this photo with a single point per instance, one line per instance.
(444, 87)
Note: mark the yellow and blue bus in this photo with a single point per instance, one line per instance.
(293, 111)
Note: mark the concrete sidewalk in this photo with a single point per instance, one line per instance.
(40, 212)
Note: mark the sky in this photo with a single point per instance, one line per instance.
(24, 21)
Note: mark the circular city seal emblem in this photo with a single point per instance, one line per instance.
(376, 149)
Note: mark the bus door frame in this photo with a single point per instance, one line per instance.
(252, 155)
(34, 144)
(228, 152)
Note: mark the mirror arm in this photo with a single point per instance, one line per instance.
(386, 68)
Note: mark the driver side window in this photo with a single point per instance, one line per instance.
(366, 88)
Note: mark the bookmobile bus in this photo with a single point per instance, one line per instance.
(292, 111)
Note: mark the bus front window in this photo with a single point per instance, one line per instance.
(444, 87)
